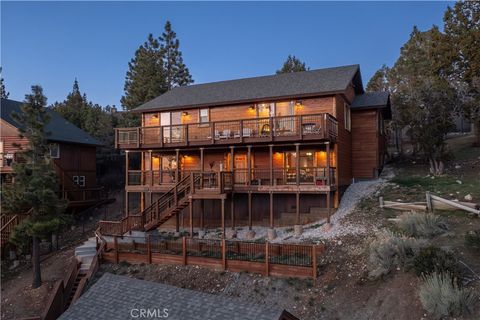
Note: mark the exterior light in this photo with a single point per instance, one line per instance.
(299, 103)
(184, 113)
(252, 107)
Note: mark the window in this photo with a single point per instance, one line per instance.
(204, 116)
(79, 180)
(348, 117)
(54, 150)
(1, 153)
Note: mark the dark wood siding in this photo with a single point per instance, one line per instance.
(366, 144)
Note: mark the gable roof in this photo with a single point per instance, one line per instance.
(286, 85)
(380, 99)
(114, 296)
(60, 129)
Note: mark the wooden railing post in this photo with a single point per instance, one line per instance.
(115, 244)
(212, 133)
(138, 137)
(224, 256)
(149, 250)
(184, 250)
(267, 258)
(314, 262)
(192, 183)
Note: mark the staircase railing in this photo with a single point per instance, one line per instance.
(9, 224)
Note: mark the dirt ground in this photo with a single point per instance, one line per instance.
(18, 299)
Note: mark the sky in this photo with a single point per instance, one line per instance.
(52, 43)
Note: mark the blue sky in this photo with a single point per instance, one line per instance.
(51, 43)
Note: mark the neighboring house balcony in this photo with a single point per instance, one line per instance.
(322, 126)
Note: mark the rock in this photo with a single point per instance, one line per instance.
(458, 166)
(468, 197)
(230, 234)
(298, 229)
(459, 182)
(201, 234)
(271, 234)
(16, 263)
(250, 235)
(327, 227)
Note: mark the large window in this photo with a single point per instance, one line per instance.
(348, 117)
(173, 131)
(204, 116)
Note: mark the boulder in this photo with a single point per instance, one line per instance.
(271, 234)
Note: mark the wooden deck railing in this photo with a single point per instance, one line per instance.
(291, 260)
(322, 126)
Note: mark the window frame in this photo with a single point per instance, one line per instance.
(347, 117)
(57, 156)
(200, 122)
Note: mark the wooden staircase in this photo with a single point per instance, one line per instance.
(8, 223)
(167, 206)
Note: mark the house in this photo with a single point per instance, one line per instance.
(73, 152)
(270, 151)
(121, 297)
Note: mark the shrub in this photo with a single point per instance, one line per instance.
(441, 296)
(391, 250)
(421, 225)
(472, 239)
(433, 259)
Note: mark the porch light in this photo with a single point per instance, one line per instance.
(299, 103)
(309, 154)
(184, 113)
(251, 108)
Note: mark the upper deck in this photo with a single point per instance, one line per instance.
(307, 127)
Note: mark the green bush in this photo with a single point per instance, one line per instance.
(390, 251)
(421, 225)
(472, 239)
(441, 296)
(433, 259)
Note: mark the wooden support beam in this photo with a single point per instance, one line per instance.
(298, 207)
(232, 162)
(297, 163)
(126, 204)
(232, 210)
(270, 147)
(191, 218)
(267, 259)
(271, 209)
(184, 251)
(223, 218)
(249, 165)
(328, 207)
(202, 214)
(177, 160)
(149, 249)
(328, 164)
(249, 210)
(151, 168)
(202, 167)
(127, 165)
(177, 222)
(314, 262)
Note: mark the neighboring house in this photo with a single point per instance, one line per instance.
(73, 152)
(273, 150)
(121, 297)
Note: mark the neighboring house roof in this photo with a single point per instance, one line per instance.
(380, 99)
(286, 85)
(60, 129)
(114, 297)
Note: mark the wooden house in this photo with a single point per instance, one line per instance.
(73, 152)
(272, 151)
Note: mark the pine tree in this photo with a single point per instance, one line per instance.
(379, 81)
(292, 64)
(36, 183)
(423, 99)
(176, 72)
(458, 57)
(3, 92)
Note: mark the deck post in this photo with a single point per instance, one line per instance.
(127, 164)
(177, 161)
(249, 165)
(270, 146)
(223, 218)
(151, 167)
(184, 250)
(328, 206)
(224, 256)
(149, 249)
(267, 258)
(297, 207)
(232, 163)
(249, 210)
(314, 262)
(202, 214)
(328, 164)
(191, 218)
(177, 222)
(271, 209)
(126, 203)
(115, 245)
(202, 167)
(232, 211)
(297, 163)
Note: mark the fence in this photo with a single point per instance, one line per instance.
(292, 260)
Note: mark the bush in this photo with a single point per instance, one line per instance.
(391, 250)
(472, 239)
(421, 225)
(441, 296)
(432, 259)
